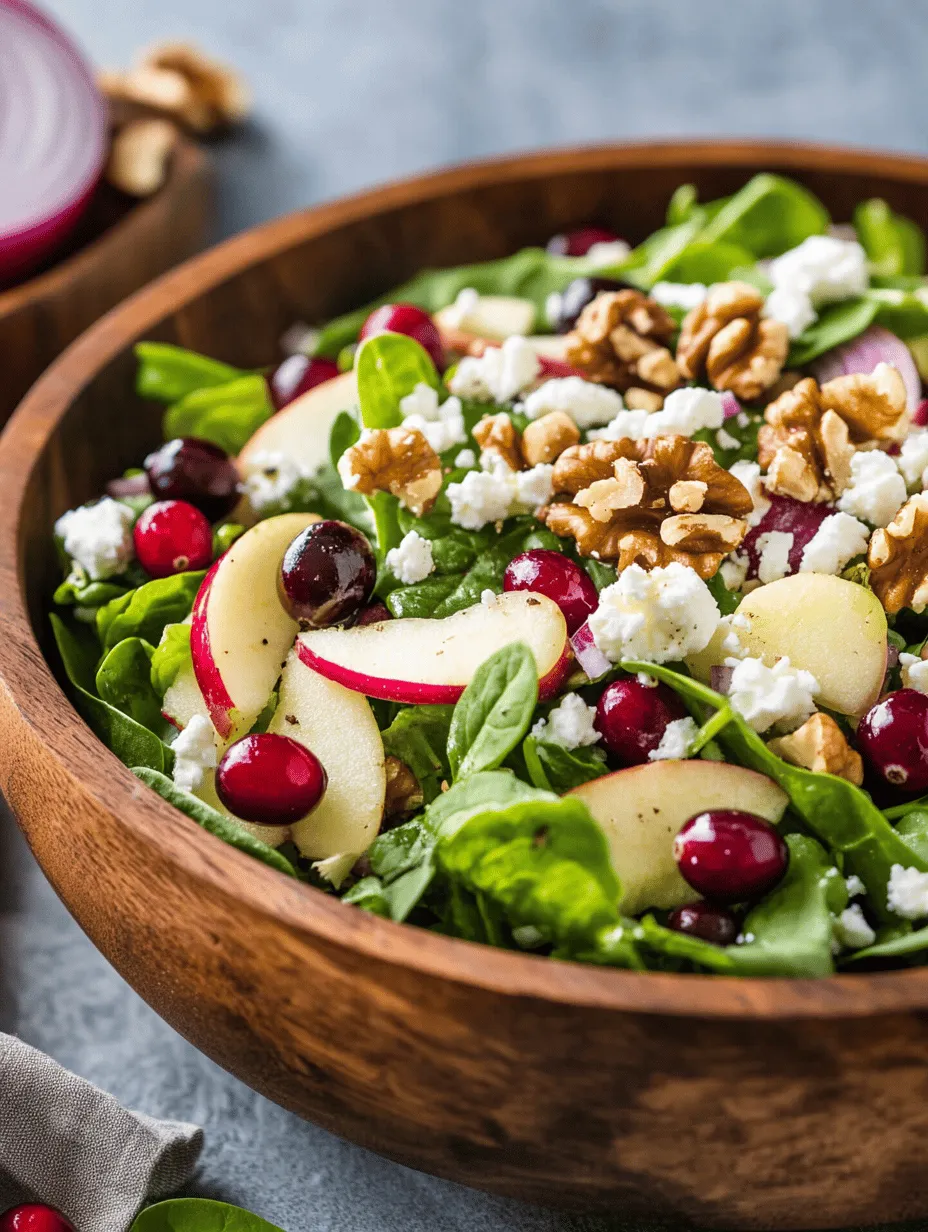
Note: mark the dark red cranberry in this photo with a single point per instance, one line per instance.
(34, 1217)
(270, 780)
(554, 575)
(706, 921)
(195, 471)
(893, 738)
(409, 320)
(575, 298)
(801, 519)
(296, 375)
(327, 574)
(632, 717)
(729, 856)
(374, 614)
(578, 243)
(171, 537)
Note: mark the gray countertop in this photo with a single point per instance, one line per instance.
(350, 92)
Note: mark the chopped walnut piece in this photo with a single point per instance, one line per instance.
(546, 438)
(397, 460)
(898, 558)
(620, 339)
(811, 433)
(497, 434)
(622, 506)
(403, 794)
(820, 745)
(727, 341)
(139, 156)
(687, 495)
(178, 81)
(216, 87)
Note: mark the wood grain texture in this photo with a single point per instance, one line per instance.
(120, 246)
(735, 1103)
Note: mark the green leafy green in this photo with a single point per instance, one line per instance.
(904, 313)
(769, 215)
(894, 245)
(418, 736)
(743, 433)
(224, 536)
(199, 1215)
(494, 711)
(402, 864)
(727, 600)
(836, 324)
(124, 680)
(145, 611)
(169, 373)
(344, 433)
(915, 942)
(228, 415)
(423, 598)
(171, 656)
(492, 789)
(389, 367)
(707, 262)
(553, 768)
(77, 590)
(650, 261)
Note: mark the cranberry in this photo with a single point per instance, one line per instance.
(34, 1217)
(730, 856)
(172, 536)
(552, 574)
(578, 243)
(327, 574)
(296, 375)
(374, 614)
(578, 294)
(801, 519)
(706, 921)
(409, 320)
(195, 471)
(632, 717)
(893, 737)
(270, 780)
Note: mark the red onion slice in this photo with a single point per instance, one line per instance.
(588, 654)
(875, 345)
(720, 678)
(730, 405)
(53, 137)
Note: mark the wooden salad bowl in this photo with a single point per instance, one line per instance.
(735, 1103)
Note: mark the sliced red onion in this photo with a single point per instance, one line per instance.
(920, 414)
(730, 405)
(720, 679)
(53, 137)
(557, 368)
(135, 485)
(588, 654)
(875, 345)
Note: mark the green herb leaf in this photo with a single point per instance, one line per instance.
(493, 789)
(727, 600)
(169, 373)
(403, 866)
(769, 215)
(124, 680)
(553, 768)
(494, 711)
(389, 367)
(836, 324)
(228, 415)
(894, 245)
(199, 1215)
(422, 599)
(707, 262)
(418, 736)
(145, 611)
(171, 656)
(224, 536)
(344, 433)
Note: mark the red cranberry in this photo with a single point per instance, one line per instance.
(270, 780)
(374, 614)
(632, 717)
(171, 537)
(801, 519)
(579, 242)
(706, 921)
(409, 320)
(327, 574)
(579, 293)
(34, 1217)
(730, 856)
(296, 375)
(195, 471)
(893, 738)
(554, 575)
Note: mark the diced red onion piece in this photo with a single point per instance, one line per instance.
(720, 678)
(920, 414)
(551, 368)
(875, 345)
(801, 519)
(730, 405)
(588, 654)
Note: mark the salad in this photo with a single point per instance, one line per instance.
(572, 603)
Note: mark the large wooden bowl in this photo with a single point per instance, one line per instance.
(736, 1103)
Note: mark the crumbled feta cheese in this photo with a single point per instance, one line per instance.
(194, 753)
(913, 460)
(827, 269)
(907, 892)
(607, 252)
(269, 478)
(854, 886)
(660, 616)
(442, 424)
(466, 459)
(748, 474)
(852, 930)
(586, 403)
(98, 537)
(876, 491)
(465, 305)
(535, 486)
(553, 309)
(685, 412)
(791, 306)
(300, 339)
(675, 743)
(725, 440)
(569, 724)
(731, 643)
(839, 539)
(627, 426)
(423, 401)
(774, 547)
(765, 696)
(411, 562)
(646, 681)
(914, 672)
(685, 295)
(497, 493)
(498, 374)
(488, 597)
(734, 570)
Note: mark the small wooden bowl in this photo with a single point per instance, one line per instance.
(119, 246)
(735, 1103)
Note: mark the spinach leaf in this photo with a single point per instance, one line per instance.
(707, 261)
(344, 433)
(403, 865)
(168, 373)
(904, 313)
(836, 324)
(124, 680)
(494, 711)
(215, 822)
(488, 569)
(145, 611)
(78, 590)
(683, 205)
(325, 494)
(228, 415)
(915, 942)
(492, 789)
(650, 261)
(553, 768)
(199, 1215)
(767, 216)
(602, 575)
(423, 598)
(224, 536)
(171, 656)
(743, 434)
(418, 736)
(132, 743)
(389, 367)
(727, 600)
(894, 245)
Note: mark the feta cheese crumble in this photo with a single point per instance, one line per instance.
(569, 724)
(411, 562)
(748, 475)
(607, 252)
(442, 424)
(685, 295)
(98, 537)
(493, 495)
(488, 597)
(725, 440)
(913, 460)
(734, 570)
(657, 616)
(588, 404)
(907, 892)
(675, 743)
(685, 412)
(838, 540)
(914, 672)
(269, 479)
(194, 753)
(466, 459)
(774, 547)
(876, 491)
(498, 374)
(825, 268)
(792, 307)
(765, 696)
(852, 930)
(465, 304)
(854, 886)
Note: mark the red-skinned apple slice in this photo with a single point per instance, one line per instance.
(240, 633)
(426, 661)
(301, 430)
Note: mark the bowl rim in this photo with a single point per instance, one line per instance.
(311, 914)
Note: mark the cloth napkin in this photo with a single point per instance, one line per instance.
(65, 1142)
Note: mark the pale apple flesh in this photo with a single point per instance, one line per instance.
(494, 317)
(427, 661)
(643, 808)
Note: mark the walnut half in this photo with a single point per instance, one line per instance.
(898, 558)
(820, 745)
(727, 341)
(621, 339)
(397, 460)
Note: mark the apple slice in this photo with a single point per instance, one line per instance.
(493, 317)
(301, 430)
(421, 661)
(338, 726)
(643, 808)
(240, 633)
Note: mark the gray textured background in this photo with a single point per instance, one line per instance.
(350, 92)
